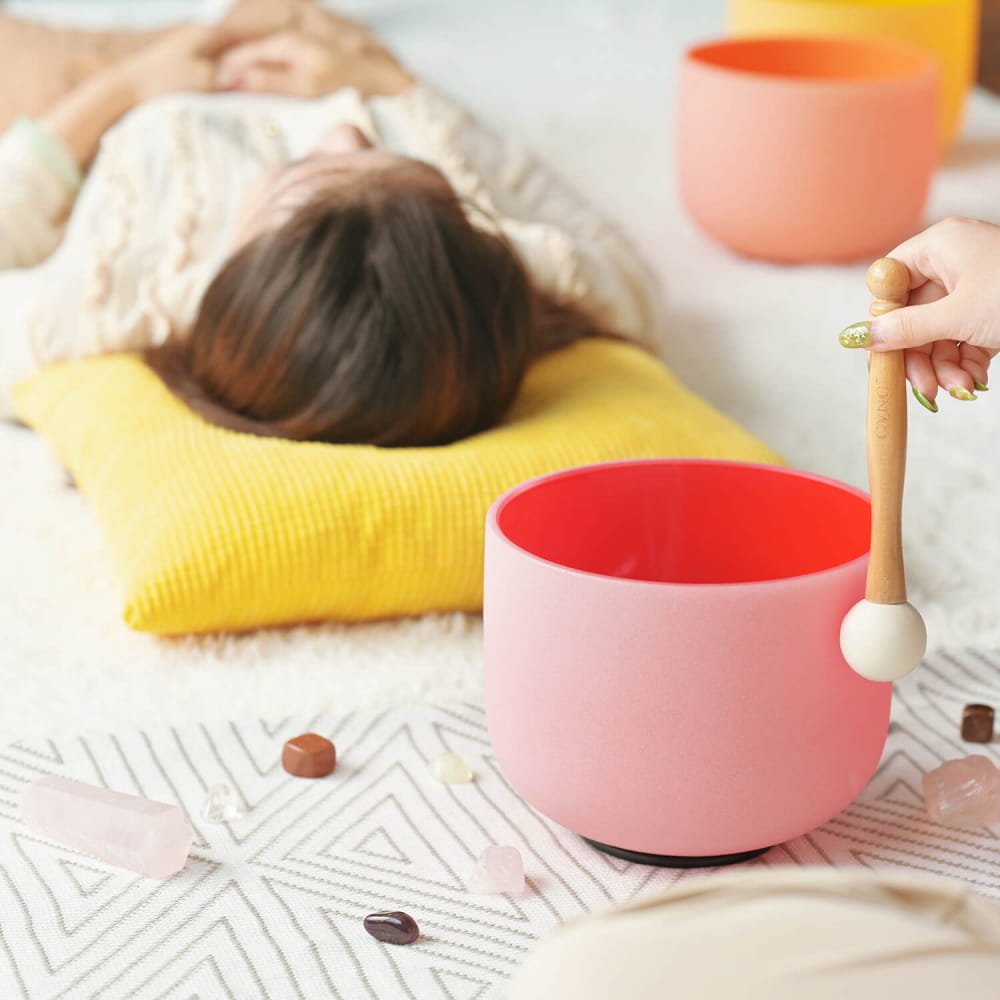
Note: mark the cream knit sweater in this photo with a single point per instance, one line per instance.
(154, 221)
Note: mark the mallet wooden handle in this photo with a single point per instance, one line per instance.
(889, 282)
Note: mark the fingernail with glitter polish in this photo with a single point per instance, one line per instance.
(856, 335)
(960, 392)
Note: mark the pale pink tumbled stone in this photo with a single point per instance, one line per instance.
(498, 870)
(151, 838)
(964, 792)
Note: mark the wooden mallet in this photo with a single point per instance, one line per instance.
(883, 636)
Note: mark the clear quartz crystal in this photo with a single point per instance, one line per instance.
(498, 870)
(151, 838)
(220, 805)
(964, 792)
(450, 769)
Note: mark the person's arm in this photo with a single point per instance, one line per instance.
(81, 117)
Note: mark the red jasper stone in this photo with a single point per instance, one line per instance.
(309, 756)
(977, 723)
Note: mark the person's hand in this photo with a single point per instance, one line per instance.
(181, 60)
(247, 19)
(950, 330)
(320, 53)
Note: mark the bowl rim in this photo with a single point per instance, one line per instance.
(865, 5)
(494, 531)
(925, 64)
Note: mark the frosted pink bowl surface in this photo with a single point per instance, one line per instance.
(662, 657)
(807, 149)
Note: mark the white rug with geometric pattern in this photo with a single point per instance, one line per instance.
(271, 905)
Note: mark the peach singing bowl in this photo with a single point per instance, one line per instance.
(662, 655)
(806, 150)
(947, 29)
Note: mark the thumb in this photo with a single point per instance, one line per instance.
(914, 326)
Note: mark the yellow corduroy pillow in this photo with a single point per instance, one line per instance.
(213, 530)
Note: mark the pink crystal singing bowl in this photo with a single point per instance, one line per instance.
(663, 666)
(807, 149)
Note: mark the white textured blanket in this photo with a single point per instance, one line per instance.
(590, 86)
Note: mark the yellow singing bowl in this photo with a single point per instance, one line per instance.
(949, 29)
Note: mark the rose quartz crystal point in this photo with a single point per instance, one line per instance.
(151, 838)
(498, 870)
(964, 792)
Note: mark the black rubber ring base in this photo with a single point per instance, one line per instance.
(677, 861)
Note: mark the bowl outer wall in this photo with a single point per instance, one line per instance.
(676, 719)
(803, 170)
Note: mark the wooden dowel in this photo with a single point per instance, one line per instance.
(889, 282)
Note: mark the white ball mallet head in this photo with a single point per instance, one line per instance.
(883, 642)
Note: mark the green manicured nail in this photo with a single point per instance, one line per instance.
(981, 387)
(924, 401)
(856, 335)
(958, 392)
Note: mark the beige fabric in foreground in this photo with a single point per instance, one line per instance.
(779, 934)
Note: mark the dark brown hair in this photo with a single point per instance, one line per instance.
(380, 315)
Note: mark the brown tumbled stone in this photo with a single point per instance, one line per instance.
(393, 928)
(309, 756)
(977, 723)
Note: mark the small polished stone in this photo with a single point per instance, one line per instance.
(220, 805)
(499, 870)
(393, 927)
(450, 769)
(977, 723)
(964, 792)
(309, 756)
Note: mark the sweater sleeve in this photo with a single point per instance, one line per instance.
(38, 182)
(569, 247)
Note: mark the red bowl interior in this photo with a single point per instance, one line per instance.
(679, 521)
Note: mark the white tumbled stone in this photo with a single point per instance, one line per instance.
(450, 769)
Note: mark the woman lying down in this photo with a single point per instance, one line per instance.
(362, 266)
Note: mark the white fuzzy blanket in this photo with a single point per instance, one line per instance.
(590, 86)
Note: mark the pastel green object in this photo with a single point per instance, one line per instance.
(53, 150)
(958, 392)
(856, 335)
(924, 401)
(981, 387)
